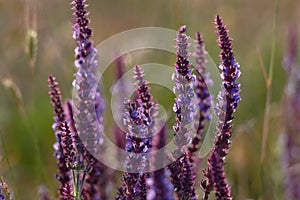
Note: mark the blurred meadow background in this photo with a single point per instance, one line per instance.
(36, 40)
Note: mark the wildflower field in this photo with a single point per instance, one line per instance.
(154, 100)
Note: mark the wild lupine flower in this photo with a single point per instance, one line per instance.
(228, 100)
(183, 107)
(291, 127)
(204, 99)
(63, 174)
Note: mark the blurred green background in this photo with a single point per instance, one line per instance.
(26, 118)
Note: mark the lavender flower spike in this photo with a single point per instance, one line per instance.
(183, 106)
(184, 110)
(138, 146)
(219, 176)
(63, 175)
(204, 99)
(229, 95)
(88, 103)
(85, 83)
(228, 100)
(160, 186)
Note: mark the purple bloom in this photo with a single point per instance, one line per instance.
(160, 187)
(97, 181)
(138, 119)
(1, 195)
(229, 95)
(63, 174)
(219, 178)
(67, 192)
(144, 98)
(228, 100)
(204, 99)
(183, 177)
(67, 144)
(183, 107)
(88, 103)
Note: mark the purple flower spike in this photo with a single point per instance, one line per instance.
(139, 121)
(67, 144)
(138, 145)
(184, 109)
(183, 106)
(221, 187)
(228, 100)
(63, 175)
(67, 192)
(159, 183)
(88, 104)
(204, 99)
(229, 95)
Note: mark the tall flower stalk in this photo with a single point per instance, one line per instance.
(204, 99)
(88, 104)
(159, 182)
(184, 109)
(228, 100)
(139, 120)
(63, 174)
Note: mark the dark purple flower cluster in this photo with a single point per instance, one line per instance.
(228, 100)
(184, 90)
(79, 130)
(182, 171)
(138, 120)
(204, 99)
(63, 175)
(160, 187)
(1, 195)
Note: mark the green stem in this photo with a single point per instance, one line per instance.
(269, 89)
(9, 167)
(74, 182)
